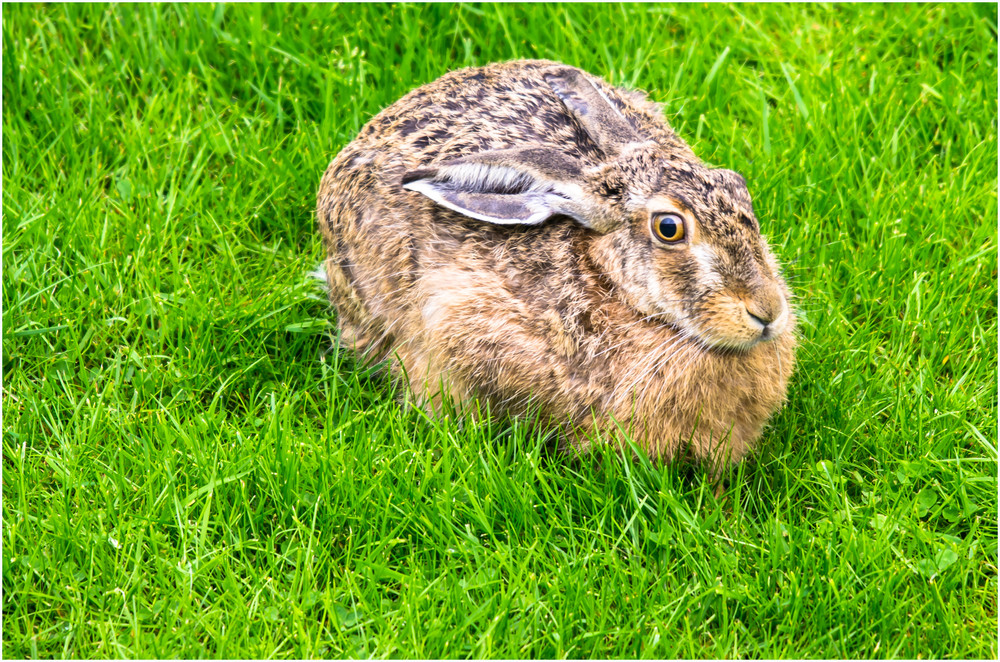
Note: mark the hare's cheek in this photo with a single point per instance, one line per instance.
(707, 260)
(669, 287)
(677, 281)
(657, 287)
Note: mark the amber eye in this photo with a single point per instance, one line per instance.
(668, 228)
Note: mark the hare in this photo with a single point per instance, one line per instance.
(527, 235)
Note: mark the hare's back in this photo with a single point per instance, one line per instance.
(498, 106)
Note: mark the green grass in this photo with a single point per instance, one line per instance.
(190, 471)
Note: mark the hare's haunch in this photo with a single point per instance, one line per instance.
(528, 235)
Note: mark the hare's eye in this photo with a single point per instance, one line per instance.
(668, 228)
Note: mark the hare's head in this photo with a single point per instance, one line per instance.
(679, 241)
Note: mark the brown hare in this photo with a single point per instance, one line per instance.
(527, 235)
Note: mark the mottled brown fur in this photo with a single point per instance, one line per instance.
(589, 320)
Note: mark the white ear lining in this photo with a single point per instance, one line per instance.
(424, 187)
(481, 177)
(500, 192)
(538, 213)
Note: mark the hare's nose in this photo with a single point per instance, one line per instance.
(764, 311)
(761, 318)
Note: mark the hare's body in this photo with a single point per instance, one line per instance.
(478, 298)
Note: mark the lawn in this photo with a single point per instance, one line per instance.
(190, 469)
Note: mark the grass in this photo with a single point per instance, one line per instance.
(189, 471)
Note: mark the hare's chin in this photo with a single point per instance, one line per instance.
(722, 342)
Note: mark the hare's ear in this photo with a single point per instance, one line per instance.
(599, 117)
(510, 187)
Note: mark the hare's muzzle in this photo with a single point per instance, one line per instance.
(767, 313)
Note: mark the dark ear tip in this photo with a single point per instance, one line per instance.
(420, 173)
(562, 78)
